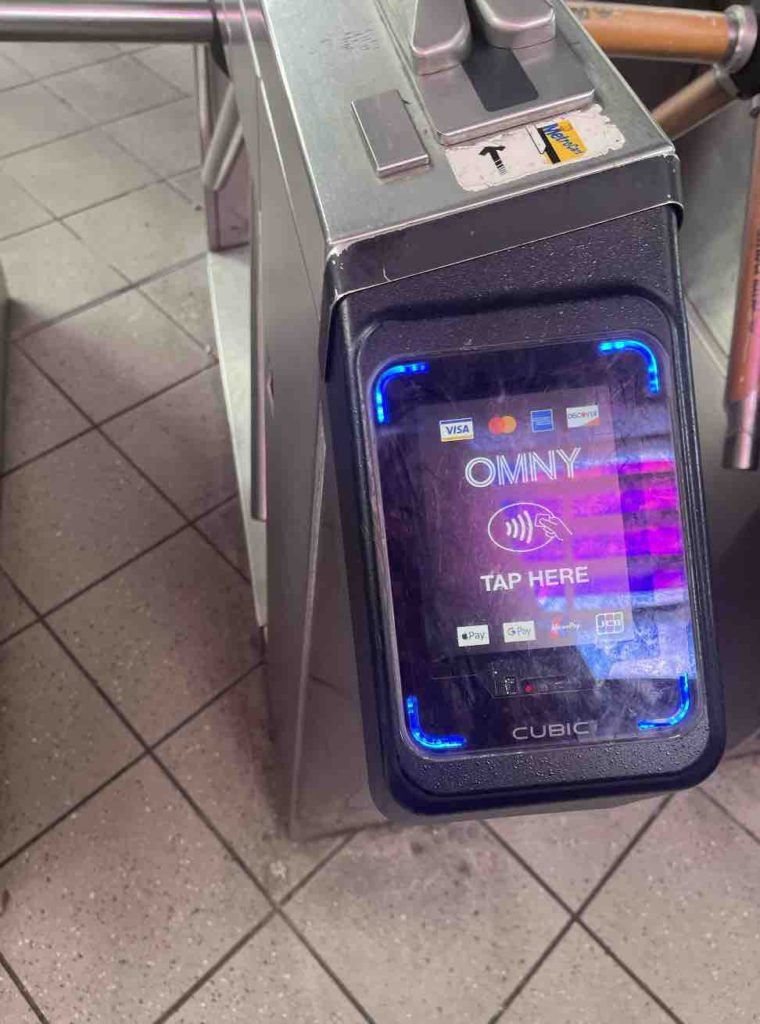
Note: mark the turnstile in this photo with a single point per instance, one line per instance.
(451, 234)
(469, 188)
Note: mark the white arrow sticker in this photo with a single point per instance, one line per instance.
(526, 150)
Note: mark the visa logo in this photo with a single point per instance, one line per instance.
(456, 430)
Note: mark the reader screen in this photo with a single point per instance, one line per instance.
(534, 544)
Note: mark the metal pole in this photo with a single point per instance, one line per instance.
(706, 95)
(669, 33)
(188, 21)
(743, 382)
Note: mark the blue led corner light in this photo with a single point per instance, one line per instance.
(633, 345)
(678, 715)
(397, 370)
(425, 739)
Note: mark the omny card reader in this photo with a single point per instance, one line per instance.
(509, 430)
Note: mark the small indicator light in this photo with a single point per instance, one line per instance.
(423, 738)
(634, 345)
(397, 370)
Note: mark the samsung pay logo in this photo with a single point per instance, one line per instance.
(583, 416)
(456, 430)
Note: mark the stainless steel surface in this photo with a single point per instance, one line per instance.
(743, 20)
(392, 141)
(224, 144)
(458, 114)
(442, 35)
(156, 21)
(229, 275)
(515, 23)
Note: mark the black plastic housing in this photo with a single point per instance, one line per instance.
(619, 275)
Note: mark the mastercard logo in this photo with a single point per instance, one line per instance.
(502, 424)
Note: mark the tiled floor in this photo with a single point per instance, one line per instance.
(144, 876)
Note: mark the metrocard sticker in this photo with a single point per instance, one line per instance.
(531, 148)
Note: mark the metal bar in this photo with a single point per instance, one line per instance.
(742, 445)
(224, 145)
(189, 21)
(706, 95)
(668, 33)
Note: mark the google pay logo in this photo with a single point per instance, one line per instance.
(456, 430)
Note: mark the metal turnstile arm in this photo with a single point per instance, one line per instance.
(187, 21)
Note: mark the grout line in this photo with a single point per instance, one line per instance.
(326, 968)
(200, 982)
(81, 128)
(185, 525)
(730, 815)
(526, 865)
(637, 836)
(339, 846)
(71, 810)
(230, 849)
(206, 705)
(196, 529)
(103, 693)
(87, 64)
(157, 275)
(500, 1014)
(575, 915)
(156, 394)
(23, 990)
(631, 973)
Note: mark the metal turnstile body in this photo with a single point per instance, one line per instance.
(326, 226)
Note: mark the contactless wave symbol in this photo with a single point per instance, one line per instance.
(525, 526)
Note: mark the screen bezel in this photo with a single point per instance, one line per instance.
(381, 544)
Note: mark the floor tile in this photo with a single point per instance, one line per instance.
(225, 760)
(144, 232)
(18, 211)
(116, 88)
(571, 851)
(273, 978)
(165, 633)
(427, 923)
(72, 516)
(11, 74)
(174, 63)
(681, 911)
(37, 416)
(736, 784)
(115, 355)
(165, 139)
(133, 47)
(41, 59)
(224, 528)
(184, 296)
(117, 911)
(78, 172)
(30, 116)
(48, 706)
(190, 185)
(14, 1009)
(15, 613)
(49, 272)
(181, 440)
(580, 984)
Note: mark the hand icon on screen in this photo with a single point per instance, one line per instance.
(552, 526)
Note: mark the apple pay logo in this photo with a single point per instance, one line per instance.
(473, 636)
